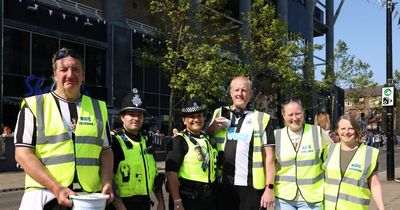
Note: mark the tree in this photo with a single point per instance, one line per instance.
(194, 59)
(351, 72)
(202, 48)
(274, 53)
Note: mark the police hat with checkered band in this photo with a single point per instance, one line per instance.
(192, 106)
(132, 103)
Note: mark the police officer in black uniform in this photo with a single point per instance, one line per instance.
(134, 164)
(190, 164)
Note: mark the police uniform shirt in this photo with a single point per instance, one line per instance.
(238, 154)
(25, 129)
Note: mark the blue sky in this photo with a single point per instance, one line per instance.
(362, 25)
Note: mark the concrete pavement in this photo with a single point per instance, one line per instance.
(14, 181)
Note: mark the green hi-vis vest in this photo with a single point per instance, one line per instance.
(136, 173)
(352, 190)
(191, 168)
(62, 156)
(301, 170)
(260, 122)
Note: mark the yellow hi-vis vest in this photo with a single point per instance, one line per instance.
(301, 170)
(136, 173)
(260, 122)
(62, 156)
(352, 190)
(191, 167)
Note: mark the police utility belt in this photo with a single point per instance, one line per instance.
(193, 189)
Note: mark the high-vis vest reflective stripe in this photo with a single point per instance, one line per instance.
(191, 168)
(260, 122)
(136, 173)
(57, 151)
(350, 191)
(299, 170)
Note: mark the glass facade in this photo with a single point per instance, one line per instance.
(27, 63)
(148, 76)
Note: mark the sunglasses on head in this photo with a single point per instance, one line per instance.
(64, 52)
(291, 99)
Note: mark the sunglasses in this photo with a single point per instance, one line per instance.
(291, 99)
(64, 52)
(201, 157)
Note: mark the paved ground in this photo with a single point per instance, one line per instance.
(11, 185)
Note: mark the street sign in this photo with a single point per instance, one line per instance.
(387, 96)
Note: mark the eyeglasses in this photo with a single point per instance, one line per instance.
(64, 52)
(291, 99)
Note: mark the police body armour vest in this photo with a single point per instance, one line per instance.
(260, 122)
(192, 168)
(299, 170)
(60, 155)
(136, 173)
(352, 190)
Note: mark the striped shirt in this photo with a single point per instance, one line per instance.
(25, 129)
(238, 154)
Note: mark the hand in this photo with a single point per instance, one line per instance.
(222, 122)
(107, 190)
(62, 196)
(268, 198)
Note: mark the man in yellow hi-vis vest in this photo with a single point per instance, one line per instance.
(135, 168)
(246, 144)
(62, 140)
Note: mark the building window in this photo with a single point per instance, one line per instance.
(16, 52)
(95, 66)
(43, 48)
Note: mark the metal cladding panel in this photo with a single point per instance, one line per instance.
(298, 19)
(122, 63)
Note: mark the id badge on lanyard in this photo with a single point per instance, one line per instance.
(244, 134)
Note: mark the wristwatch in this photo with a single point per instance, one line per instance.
(270, 186)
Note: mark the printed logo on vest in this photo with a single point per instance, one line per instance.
(85, 121)
(306, 149)
(355, 167)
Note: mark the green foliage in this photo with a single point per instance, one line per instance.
(272, 50)
(350, 72)
(195, 36)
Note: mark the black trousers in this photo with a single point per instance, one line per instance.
(198, 203)
(138, 202)
(231, 197)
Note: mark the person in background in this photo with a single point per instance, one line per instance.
(322, 120)
(135, 168)
(246, 144)
(174, 132)
(7, 131)
(190, 164)
(159, 139)
(299, 178)
(351, 170)
(62, 140)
